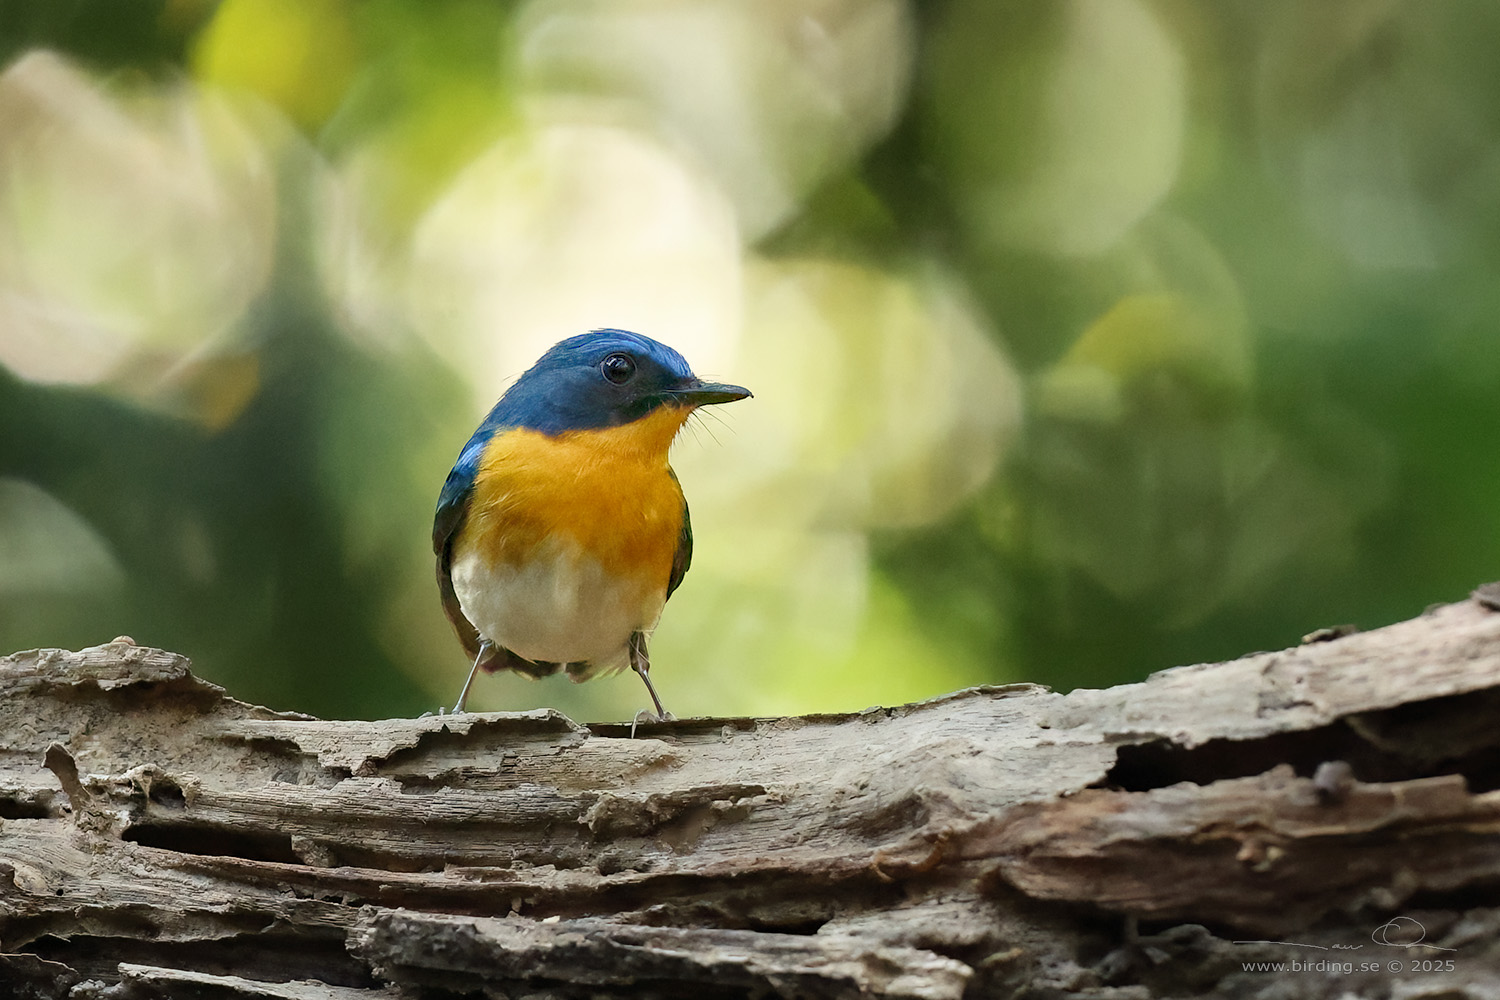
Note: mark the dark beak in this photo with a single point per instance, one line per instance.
(696, 393)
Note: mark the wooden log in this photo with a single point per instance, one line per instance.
(159, 838)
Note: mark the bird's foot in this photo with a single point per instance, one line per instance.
(646, 715)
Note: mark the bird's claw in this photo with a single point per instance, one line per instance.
(646, 715)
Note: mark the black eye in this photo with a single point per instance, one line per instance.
(618, 368)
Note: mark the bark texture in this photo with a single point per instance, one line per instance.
(1334, 807)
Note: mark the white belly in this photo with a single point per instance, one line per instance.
(561, 607)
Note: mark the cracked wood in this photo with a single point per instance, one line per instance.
(156, 830)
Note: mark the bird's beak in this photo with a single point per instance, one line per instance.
(696, 393)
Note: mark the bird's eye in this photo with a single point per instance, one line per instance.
(618, 368)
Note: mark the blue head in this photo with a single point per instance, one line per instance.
(603, 379)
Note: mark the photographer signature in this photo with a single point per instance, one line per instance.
(1397, 932)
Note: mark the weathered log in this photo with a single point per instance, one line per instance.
(160, 839)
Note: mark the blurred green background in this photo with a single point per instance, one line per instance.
(1087, 338)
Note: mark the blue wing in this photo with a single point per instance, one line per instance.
(452, 510)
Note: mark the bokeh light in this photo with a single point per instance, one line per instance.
(136, 227)
(1086, 338)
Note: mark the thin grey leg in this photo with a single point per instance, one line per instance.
(463, 696)
(640, 662)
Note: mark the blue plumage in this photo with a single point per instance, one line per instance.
(566, 390)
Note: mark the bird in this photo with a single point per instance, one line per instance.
(562, 530)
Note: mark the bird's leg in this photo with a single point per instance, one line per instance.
(640, 662)
(463, 696)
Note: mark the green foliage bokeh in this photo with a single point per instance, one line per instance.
(1100, 336)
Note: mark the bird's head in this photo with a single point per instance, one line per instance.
(605, 378)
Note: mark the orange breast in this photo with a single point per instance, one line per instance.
(610, 490)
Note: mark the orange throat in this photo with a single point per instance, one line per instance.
(608, 492)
